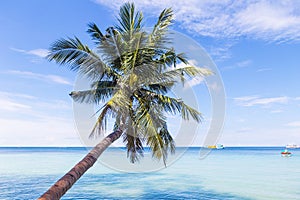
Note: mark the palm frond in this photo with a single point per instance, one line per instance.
(156, 144)
(101, 124)
(170, 58)
(69, 51)
(120, 103)
(168, 140)
(79, 57)
(111, 48)
(134, 147)
(158, 37)
(161, 88)
(172, 105)
(103, 90)
(181, 73)
(129, 21)
(95, 33)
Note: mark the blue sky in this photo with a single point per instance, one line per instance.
(255, 45)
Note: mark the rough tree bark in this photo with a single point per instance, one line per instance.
(57, 190)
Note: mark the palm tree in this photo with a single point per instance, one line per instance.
(131, 73)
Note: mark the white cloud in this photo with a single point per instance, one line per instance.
(10, 105)
(42, 53)
(8, 102)
(294, 124)
(39, 52)
(275, 21)
(221, 52)
(27, 120)
(244, 130)
(263, 69)
(8, 94)
(241, 64)
(194, 81)
(58, 79)
(246, 98)
(30, 105)
(255, 100)
(297, 98)
(244, 63)
(276, 111)
(266, 19)
(51, 131)
(54, 105)
(43, 77)
(214, 86)
(241, 120)
(265, 101)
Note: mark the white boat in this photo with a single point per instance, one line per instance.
(292, 146)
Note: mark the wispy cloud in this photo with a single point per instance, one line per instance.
(42, 53)
(43, 77)
(249, 101)
(31, 106)
(241, 64)
(244, 63)
(221, 52)
(8, 94)
(266, 19)
(294, 124)
(28, 120)
(8, 102)
(51, 131)
(214, 86)
(244, 130)
(246, 98)
(10, 105)
(263, 69)
(194, 81)
(276, 111)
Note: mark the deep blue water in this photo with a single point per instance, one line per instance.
(239, 173)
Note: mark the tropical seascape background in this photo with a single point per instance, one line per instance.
(241, 173)
(252, 44)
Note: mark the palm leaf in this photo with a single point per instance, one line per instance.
(134, 147)
(129, 20)
(169, 143)
(157, 38)
(95, 33)
(79, 57)
(103, 90)
(172, 105)
(101, 124)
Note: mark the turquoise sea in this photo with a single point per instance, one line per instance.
(240, 173)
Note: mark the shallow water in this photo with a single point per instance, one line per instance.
(231, 173)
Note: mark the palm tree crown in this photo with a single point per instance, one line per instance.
(131, 73)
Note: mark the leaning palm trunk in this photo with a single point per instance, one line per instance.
(56, 191)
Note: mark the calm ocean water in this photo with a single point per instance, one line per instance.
(232, 173)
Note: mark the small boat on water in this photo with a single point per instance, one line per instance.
(292, 146)
(286, 153)
(220, 146)
(211, 146)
